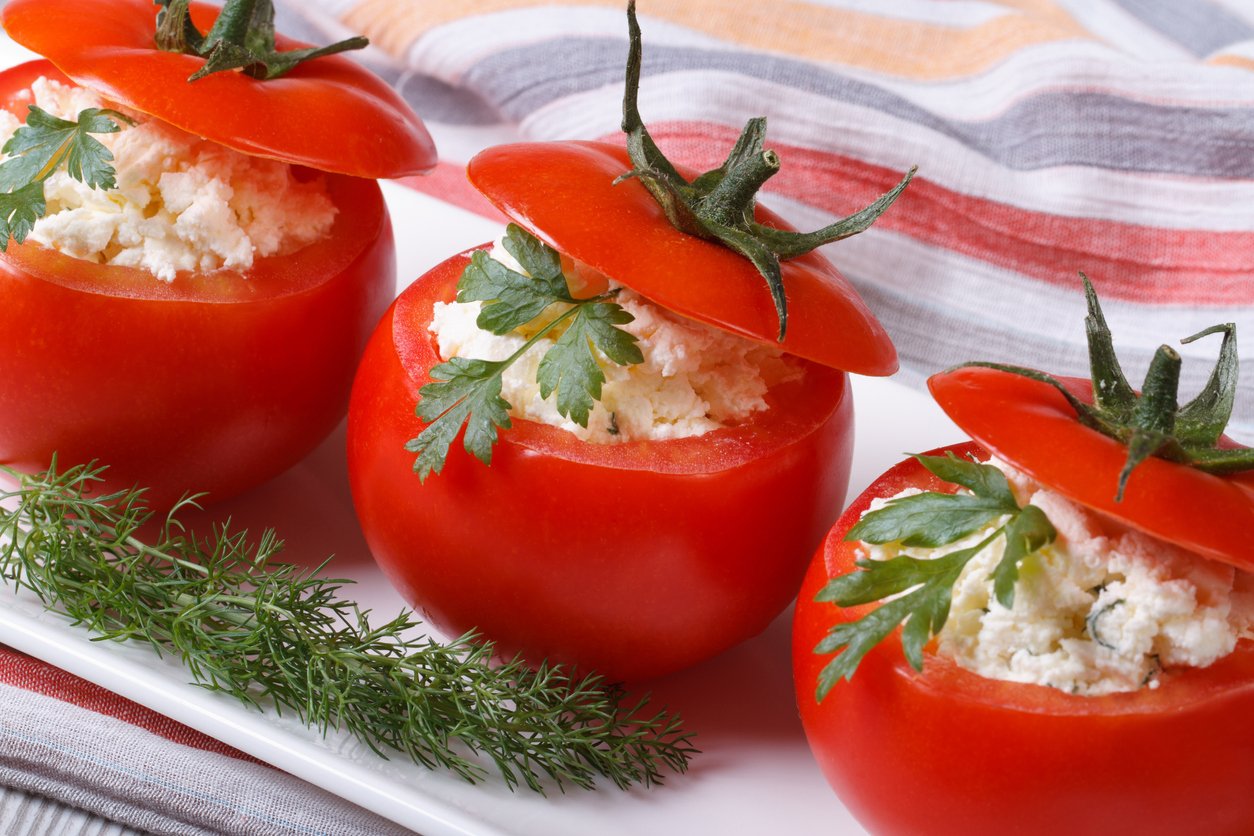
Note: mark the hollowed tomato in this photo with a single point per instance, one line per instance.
(947, 751)
(633, 559)
(213, 382)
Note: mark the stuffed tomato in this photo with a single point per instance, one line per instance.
(1078, 648)
(194, 321)
(654, 368)
(634, 559)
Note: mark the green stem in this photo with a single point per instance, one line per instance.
(236, 21)
(175, 30)
(718, 204)
(731, 201)
(1111, 391)
(1156, 409)
(242, 38)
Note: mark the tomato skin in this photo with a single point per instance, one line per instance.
(570, 199)
(1030, 425)
(211, 383)
(331, 113)
(206, 391)
(634, 559)
(948, 752)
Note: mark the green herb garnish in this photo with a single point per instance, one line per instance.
(925, 586)
(41, 147)
(718, 205)
(1153, 423)
(468, 391)
(242, 38)
(270, 633)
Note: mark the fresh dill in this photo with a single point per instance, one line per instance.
(273, 634)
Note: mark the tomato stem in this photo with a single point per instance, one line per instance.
(733, 198)
(241, 38)
(175, 30)
(719, 204)
(1156, 408)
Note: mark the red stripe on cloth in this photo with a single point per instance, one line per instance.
(1137, 263)
(31, 674)
(447, 182)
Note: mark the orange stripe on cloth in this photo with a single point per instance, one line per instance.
(1239, 61)
(1149, 265)
(799, 29)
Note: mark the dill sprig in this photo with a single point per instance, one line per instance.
(273, 634)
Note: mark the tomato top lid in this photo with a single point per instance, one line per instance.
(565, 193)
(330, 113)
(697, 244)
(1139, 458)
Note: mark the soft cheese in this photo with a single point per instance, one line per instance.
(694, 378)
(181, 203)
(1103, 609)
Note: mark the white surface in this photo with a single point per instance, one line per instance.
(755, 774)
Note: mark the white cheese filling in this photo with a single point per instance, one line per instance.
(181, 203)
(1103, 609)
(694, 378)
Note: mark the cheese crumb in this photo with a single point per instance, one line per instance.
(181, 203)
(694, 378)
(1103, 609)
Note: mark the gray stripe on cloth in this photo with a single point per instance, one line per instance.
(1047, 129)
(25, 814)
(129, 775)
(1198, 25)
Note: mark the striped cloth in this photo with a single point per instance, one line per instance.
(77, 760)
(1110, 136)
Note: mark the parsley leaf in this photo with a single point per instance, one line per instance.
(510, 300)
(542, 262)
(924, 587)
(19, 210)
(468, 392)
(570, 368)
(38, 149)
(1027, 531)
(937, 519)
(465, 391)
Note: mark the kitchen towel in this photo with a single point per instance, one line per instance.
(112, 766)
(1114, 137)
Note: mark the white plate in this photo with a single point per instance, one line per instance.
(755, 774)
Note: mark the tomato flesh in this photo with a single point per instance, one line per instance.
(213, 382)
(947, 751)
(632, 559)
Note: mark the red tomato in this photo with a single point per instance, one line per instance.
(330, 114)
(947, 751)
(633, 559)
(213, 382)
(1030, 425)
(569, 199)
